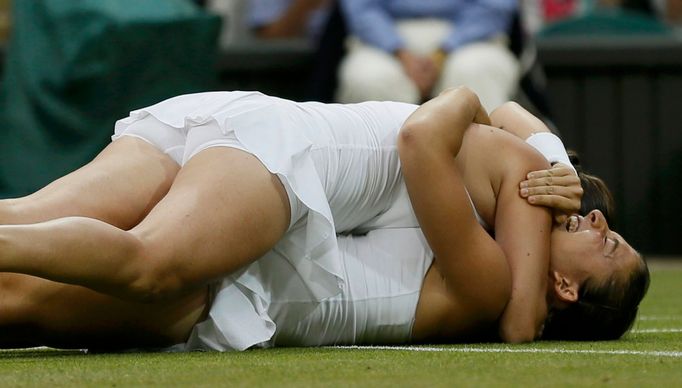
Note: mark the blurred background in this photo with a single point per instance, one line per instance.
(606, 75)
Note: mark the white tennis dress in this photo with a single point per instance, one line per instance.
(340, 167)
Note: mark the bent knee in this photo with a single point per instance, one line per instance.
(154, 277)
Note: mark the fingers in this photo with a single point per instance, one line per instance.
(557, 188)
(567, 181)
(558, 170)
(551, 188)
(561, 199)
(557, 202)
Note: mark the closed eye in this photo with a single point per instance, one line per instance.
(616, 243)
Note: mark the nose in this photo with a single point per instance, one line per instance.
(597, 220)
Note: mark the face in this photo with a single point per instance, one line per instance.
(583, 247)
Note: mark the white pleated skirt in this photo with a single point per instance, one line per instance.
(308, 257)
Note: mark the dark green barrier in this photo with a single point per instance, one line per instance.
(75, 67)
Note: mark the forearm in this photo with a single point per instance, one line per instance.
(514, 119)
(557, 188)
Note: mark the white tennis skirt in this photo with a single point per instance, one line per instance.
(185, 125)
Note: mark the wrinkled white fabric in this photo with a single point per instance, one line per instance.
(340, 162)
(383, 271)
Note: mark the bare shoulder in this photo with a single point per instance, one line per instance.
(495, 154)
(488, 158)
(503, 145)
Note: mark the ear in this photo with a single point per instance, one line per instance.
(565, 289)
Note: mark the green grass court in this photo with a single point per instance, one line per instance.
(649, 356)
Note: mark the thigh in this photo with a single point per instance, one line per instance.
(38, 312)
(119, 187)
(223, 211)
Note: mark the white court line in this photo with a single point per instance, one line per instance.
(658, 318)
(511, 350)
(637, 331)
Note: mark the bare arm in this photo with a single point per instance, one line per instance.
(523, 233)
(521, 230)
(557, 187)
(476, 267)
(472, 264)
(514, 119)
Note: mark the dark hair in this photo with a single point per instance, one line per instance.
(596, 195)
(603, 311)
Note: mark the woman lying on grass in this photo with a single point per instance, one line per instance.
(232, 220)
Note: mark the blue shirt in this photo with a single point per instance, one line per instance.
(373, 20)
(263, 12)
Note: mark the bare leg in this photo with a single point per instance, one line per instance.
(223, 211)
(38, 312)
(119, 187)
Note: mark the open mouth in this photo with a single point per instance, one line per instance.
(573, 223)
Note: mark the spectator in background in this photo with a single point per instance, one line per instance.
(670, 12)
(321, 22)
(538, 14)
(274, 19)
(409, 50)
